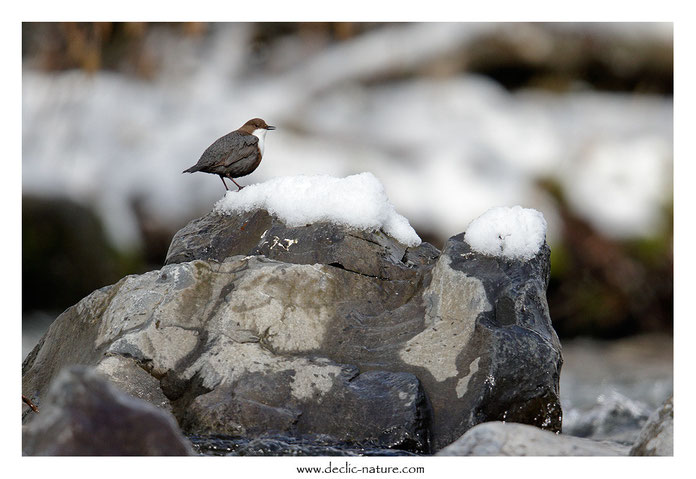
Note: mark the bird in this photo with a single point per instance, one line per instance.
(236, 154)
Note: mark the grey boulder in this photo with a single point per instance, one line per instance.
(214, 237)
(488, 344)
(254, 327)
(87, 416)
(235, 348)
(375, 407)
(510, 439)
(657, 436)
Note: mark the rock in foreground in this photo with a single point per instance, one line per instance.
(254, 327)
(509, 439)
(87, 416)
(657, 436)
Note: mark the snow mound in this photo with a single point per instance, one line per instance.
(357, 201)
(515, 233)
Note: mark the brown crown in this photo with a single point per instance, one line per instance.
(255, 124)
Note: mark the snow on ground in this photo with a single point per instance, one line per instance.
(515, 232)
(446, 149)
(358, 201)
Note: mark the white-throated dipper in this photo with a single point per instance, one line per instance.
(236, 154)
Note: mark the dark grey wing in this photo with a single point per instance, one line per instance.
(229, 149)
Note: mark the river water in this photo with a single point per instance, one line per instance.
(609, 388)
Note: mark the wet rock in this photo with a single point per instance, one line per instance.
(84, 415)
(510, 439)
(321, 330)
(657, 436)
(276, 445)
(375, 407)
(510, 366)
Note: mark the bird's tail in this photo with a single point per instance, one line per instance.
(193, 169)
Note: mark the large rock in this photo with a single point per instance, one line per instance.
(509, 439)
(657, 436)
(375, 407)
(87, 416)
(508, 368)
(255, 327)
(216, 237)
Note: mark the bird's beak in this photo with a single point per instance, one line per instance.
(269, 127)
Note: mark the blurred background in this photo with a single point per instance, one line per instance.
(573, 119)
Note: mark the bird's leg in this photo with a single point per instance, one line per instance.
(223, 182)
(240, 187)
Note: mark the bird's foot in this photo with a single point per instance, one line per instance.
(239, 188)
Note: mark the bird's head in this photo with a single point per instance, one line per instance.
(256, 124)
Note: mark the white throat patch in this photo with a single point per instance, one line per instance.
(260, 133)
